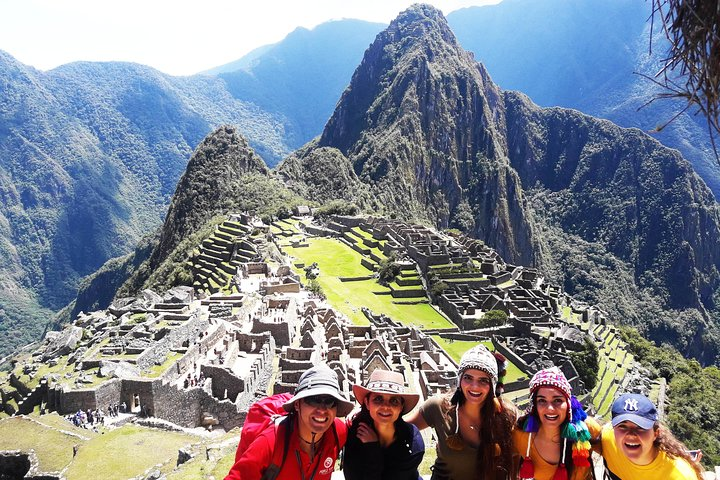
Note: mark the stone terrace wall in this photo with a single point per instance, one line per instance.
(279, 331)
(187, 331)
(224, 383)
(73, 400)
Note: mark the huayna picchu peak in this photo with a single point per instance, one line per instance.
(435, 211)
(433, 138)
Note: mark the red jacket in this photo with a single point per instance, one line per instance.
(250, 464)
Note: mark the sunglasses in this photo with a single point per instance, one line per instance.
(324, 401)
(379, 401)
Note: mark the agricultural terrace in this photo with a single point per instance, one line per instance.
(336, 260)
(141, 449)
(457, 347)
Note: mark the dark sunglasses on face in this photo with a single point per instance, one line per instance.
(379, 400)
(320, 401)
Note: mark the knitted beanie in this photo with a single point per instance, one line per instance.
(574, 428)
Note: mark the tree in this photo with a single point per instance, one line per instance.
(314, 287)
(691, 68)
(389, 269)
(586, 363)
(492, 318)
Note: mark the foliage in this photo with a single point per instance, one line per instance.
(388, 269)
(491, 318)
(464, 219)
(337, 207)
(437, 288)
(311, 271)
(691, 69)
(315, 288)
(694, 411)
(586, 363)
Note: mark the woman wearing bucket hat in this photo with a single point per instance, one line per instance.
(473, 426)
(381, 445)
(635, 445)
(305, 443)
(554, 434)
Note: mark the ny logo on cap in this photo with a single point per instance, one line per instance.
(631, 404)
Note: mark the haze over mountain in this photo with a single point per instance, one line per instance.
(93, 151)
(587, 56)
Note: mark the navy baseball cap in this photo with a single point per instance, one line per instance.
(636, 408)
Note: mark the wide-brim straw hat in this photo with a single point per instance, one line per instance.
(387, 383)
(320, 380)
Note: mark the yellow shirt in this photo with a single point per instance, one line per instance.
(545, 470)
(663, 467)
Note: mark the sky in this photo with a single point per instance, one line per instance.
(178, 37)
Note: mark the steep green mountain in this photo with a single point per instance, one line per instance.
(585, 55)
(92, 152)
(427, 131)
(224, 175)
(90, 156)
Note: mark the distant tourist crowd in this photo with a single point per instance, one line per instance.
(479, 434)
(91, 418)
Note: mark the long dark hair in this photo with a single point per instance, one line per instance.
(495, 453)
(569, 464)
(666, 442)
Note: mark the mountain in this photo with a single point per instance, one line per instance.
(92, 152)
(91, 155)
(301, 78)
(433, 138)
(588, 56)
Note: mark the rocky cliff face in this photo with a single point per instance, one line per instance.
(433, 138)
(421, 123)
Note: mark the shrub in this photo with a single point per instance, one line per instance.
(492, 318)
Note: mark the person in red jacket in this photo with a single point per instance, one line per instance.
(306, 444)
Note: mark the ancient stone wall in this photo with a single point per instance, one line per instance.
(271, 288)
(224, 383)
(279, 331)
(157, 353)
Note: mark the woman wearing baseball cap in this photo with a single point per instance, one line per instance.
(636, 446)
(554, 434)
(473, 425)
(380, 444)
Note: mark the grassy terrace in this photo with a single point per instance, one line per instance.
(142, 448)
(336, 260)
(53, 448)
(456, 348)
(156, 370)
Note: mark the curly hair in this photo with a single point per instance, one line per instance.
(495, 453)
(666, 442)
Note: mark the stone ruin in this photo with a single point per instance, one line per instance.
(217, 350)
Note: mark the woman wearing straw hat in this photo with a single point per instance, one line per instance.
(381, 445)
(554, 434)
(473, 426)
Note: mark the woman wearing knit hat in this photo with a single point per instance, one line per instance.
(554, 434)
(473, 426)
(381, 445)
(636, 445)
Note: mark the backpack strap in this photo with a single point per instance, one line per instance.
(283, 428)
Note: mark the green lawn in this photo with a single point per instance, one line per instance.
(54, 449)
(458, 347)
(141, 449)
(336, 260)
